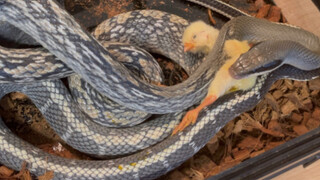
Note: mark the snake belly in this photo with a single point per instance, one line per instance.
(146, 164)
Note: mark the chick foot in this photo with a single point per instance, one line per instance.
(191, 116)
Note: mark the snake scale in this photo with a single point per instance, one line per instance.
(47, 23)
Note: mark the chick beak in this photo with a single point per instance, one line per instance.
(188, 46)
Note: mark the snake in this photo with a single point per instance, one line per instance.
(47, 23)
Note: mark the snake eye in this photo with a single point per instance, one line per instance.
(267, 67)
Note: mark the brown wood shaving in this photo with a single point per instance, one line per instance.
(212, 20)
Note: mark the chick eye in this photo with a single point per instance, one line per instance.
(194, 36)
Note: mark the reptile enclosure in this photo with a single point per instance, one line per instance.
(290, 110)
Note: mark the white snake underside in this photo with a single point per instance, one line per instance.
(79, 52)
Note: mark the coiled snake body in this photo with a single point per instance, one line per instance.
(47, 24)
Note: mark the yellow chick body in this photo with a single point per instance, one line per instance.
(222, 83)
(199, 37)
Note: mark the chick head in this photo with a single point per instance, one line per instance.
(199, 37)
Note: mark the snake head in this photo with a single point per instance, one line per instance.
(257, 61)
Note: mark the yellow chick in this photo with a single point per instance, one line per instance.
(222, 83)
(199, 37)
